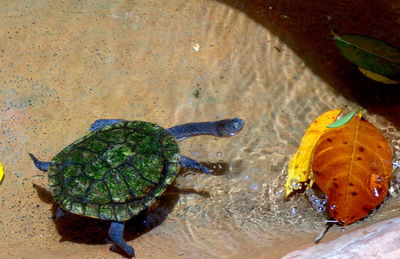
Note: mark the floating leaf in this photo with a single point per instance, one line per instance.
(1, 172)
(378, 77)
(352, 165)
(299, 165)
(371, 55)
(340, 122)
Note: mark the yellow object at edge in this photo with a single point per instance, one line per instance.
(299, 164)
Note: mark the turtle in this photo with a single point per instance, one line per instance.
(121, 167)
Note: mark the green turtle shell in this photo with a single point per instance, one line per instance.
(115, 172)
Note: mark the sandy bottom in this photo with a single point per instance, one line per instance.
(64, 64)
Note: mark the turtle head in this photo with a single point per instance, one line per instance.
(229, 127)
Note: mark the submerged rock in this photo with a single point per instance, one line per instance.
(380, 240)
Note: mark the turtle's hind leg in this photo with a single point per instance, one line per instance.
(188, 162)
(116, 234)
(43, 166)
(59, 214)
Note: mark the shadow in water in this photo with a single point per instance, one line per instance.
(220, 168)
(305, 26)
(78, 229)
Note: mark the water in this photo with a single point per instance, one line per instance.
(66, 64)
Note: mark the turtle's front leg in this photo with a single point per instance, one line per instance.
(116, 234)
(188, 162)
(99, 124)
(318, 204)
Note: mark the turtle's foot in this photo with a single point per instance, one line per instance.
(59, 214)
(190, 163)
(43, 166)
(116, 233)
(319, 205)
(119, 250)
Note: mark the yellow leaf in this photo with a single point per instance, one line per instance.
(300, 163)
(1, 172)
(377, 77)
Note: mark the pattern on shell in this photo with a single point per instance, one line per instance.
(115, 172)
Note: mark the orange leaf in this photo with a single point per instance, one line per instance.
(352, 165)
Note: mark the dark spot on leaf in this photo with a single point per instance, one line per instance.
(351, 184)
(354, 193)
(335, 179)
(345, 142)
(336, 185)
(329, 140)
(359, 158)
(379, 146)
(317, 173)
(361, 149)
(365, 208)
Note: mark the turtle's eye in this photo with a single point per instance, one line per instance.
(236, 125)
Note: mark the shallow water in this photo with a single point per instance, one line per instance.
(66, 64)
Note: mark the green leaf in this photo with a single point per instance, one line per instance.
(370, 54)
(340, 122)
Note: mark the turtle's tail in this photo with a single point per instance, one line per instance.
(43, 166)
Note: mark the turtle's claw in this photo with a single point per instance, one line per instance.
(129, 253)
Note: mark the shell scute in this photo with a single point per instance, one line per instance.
(110, 136)
(149, 167)
(97, 169)
(135, 207)
(92, 210)
(96, 146)
(67, 203)
(107, 211)
(80, 156)
(171, 156)
(136, 183)
(117, 155)
(135, 137)
(172, 167)
(72, 170)
(147, 145)
(144, 127)
(122, 212)
(78, 208)
(99, 193)
(78, 186)
(117, 187)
